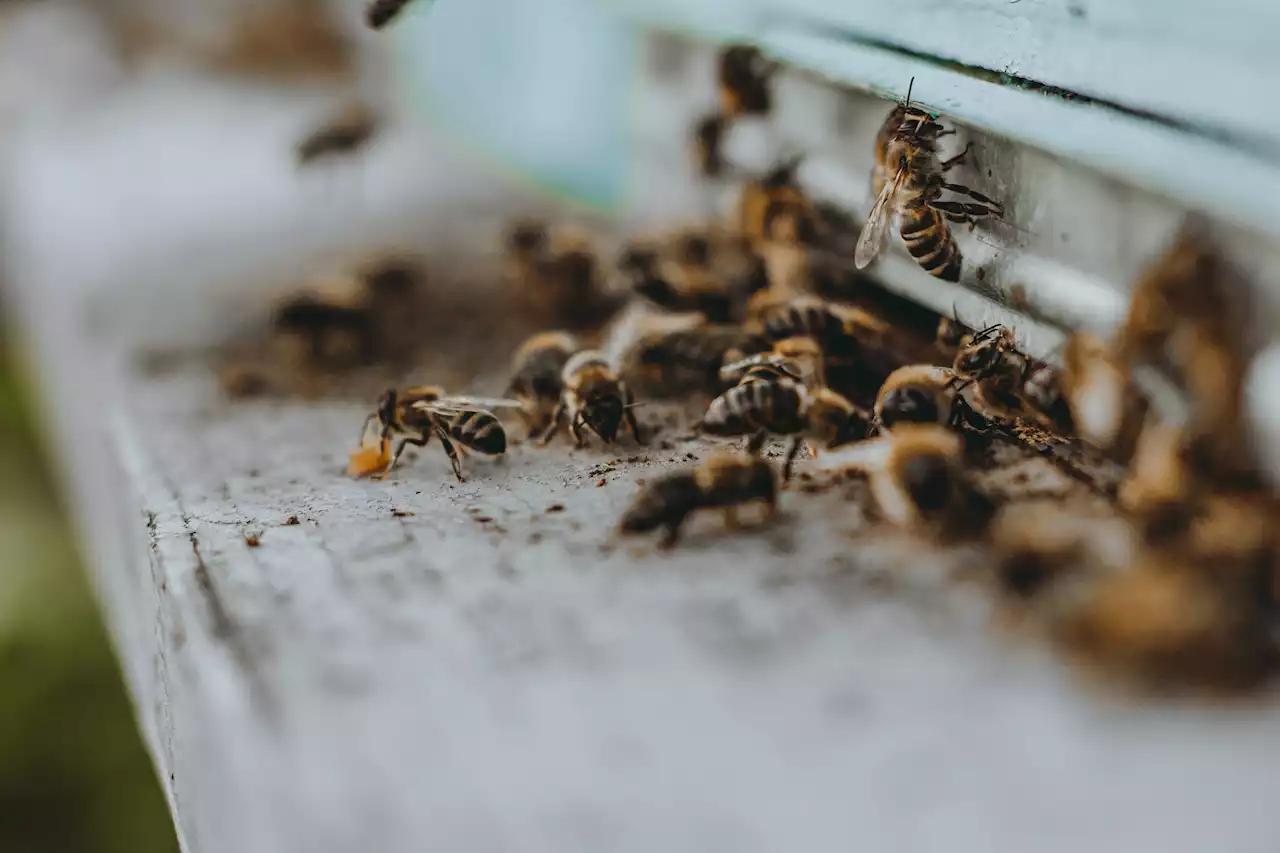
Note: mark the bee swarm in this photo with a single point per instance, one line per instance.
(1136, 538)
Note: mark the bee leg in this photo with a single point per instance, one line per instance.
(756, 444)
(731, 517)
(792, 452)
(453, 455)
(629, 412)
(395, 457)
(364, 430)
(575, 427)
(947, 165)
(557, 421)
(671, 536)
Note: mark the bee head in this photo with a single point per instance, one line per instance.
(386, 411)
(982, 355)
(910, 404)
(603, 416)
(929, 480)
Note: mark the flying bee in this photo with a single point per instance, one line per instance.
(909, 180)
(798, 359)
(920, 394)
(341, 136)
(915, 474)
(379, 13)
(743, 76)
(460, 423)
(724, 482)
(1098, 389)
(593, 396)
(536, 379)
(674, 362)
(784, 407)
(708, 145)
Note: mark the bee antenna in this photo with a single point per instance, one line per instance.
(985, 333)
(907, 103)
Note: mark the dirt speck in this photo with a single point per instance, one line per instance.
(400, 513)
(535, 538)
(482, 519)
(291, 521)
(600, 483)
(252, 541)
(556, 508)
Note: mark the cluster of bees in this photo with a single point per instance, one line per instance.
(758, 315)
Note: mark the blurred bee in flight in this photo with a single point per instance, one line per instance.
(908, 182)
(744, 87)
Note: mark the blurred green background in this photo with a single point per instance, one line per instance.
(74, 775)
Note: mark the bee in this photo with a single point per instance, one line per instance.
(1098, 391)
(331, 330)
(774, 199)
(1042, 545)
(593, 396)
(920, 394)
(708, 145)
(798, 359)
(909, 180)
(559, 273)
(1041, 389)
(419, 413)
(343, 135)
(784, 407)
(379, 13)
(674, 362)
(700, 277)
(743, 76)
(536, 379)
(724, 482)
(1183, 286)
(951, 336)
(838, 329)
(991, 364)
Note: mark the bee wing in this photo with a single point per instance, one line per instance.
(466, 404)
(872, 239)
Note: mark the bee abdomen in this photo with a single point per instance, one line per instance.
(931, 243)
(480, 431)
(753, 406)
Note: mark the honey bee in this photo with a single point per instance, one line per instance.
(743, 75)
(330, 330)
(674, 362)
(379, 13)
(991, 364)
(702, 277)
(1039, 545)
(784, 407)
(593, 397)
(919, 394)
(708, 144)
(799, 359)
(1098, 390)
(909, 182)
(341, 136)
(1041, 389)
(723, 482)
(774, 199)
(560, 276)
(838, 329)
(951, 336)
(536, 376)
(419, 413)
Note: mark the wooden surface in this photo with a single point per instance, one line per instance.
(418, 664)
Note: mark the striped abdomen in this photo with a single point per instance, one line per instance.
(930, 242)
(478, 431)
(753, 406)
